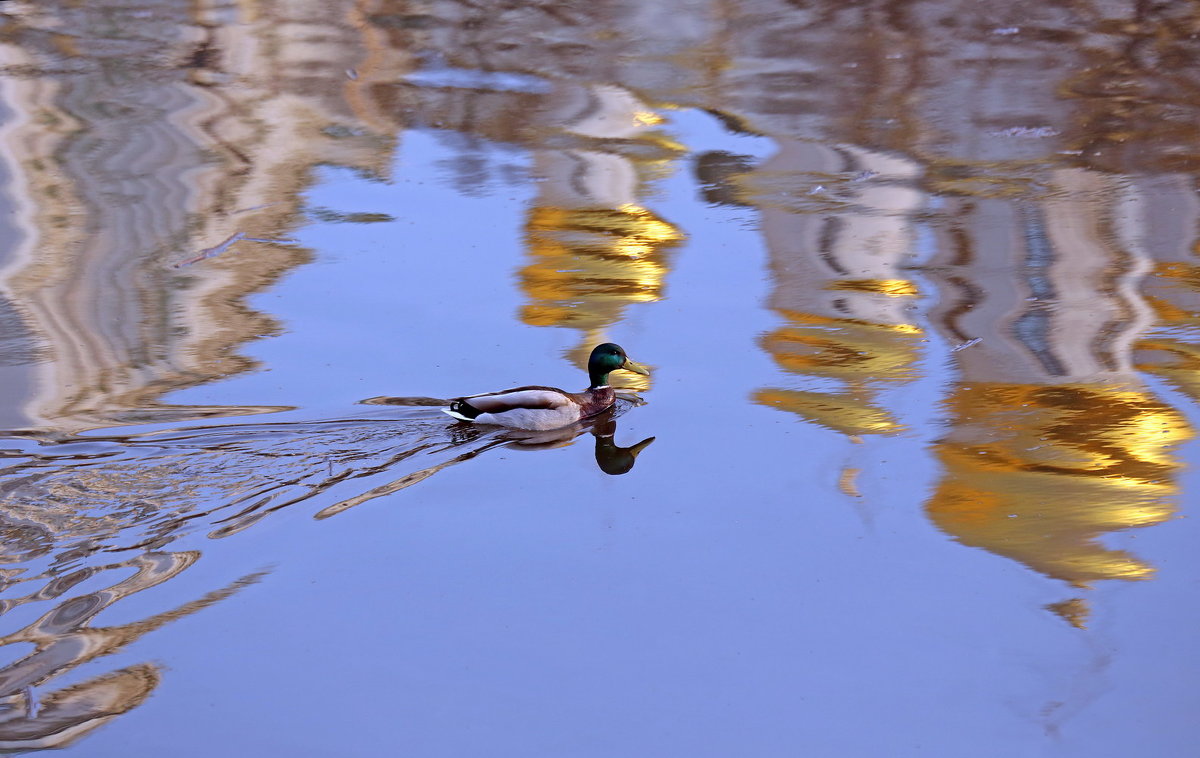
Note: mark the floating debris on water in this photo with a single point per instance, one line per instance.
(330, 216)
(1026, 132)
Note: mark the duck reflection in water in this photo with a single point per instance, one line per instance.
(610, 457)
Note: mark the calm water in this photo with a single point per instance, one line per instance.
(919, 287)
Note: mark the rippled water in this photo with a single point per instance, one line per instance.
(910, 476)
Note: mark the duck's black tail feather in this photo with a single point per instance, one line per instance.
(464, 410)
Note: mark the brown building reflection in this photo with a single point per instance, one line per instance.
(139, 134)
(132, 136)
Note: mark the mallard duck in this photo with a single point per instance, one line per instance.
(539, 408)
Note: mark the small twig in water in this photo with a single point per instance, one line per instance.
(212, 252)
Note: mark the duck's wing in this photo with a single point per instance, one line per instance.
(528, 398)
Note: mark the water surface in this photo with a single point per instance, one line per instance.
(917, 284)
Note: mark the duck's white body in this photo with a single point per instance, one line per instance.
(539, 408)
(533, 408)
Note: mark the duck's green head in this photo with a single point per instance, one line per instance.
(607, 358)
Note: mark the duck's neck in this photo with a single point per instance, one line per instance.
(599, 378)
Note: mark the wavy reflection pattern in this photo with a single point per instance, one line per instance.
(1036, 161)
(66, 501)
(146, 131)
(64, 639)
(133, 135)
(66, 508)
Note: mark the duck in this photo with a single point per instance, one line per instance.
(538, 408)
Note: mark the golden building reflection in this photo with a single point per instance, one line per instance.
(839, 228)
(1054, 439)
(1038, 473)
(1169, 349)
(898, 143)
(594, 242)
(588, 265)
(941, 136)
(594, 249)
